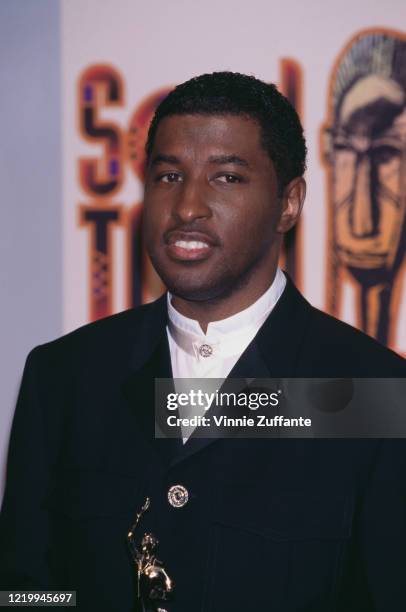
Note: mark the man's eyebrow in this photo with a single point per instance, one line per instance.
(228, 159)
(164, 159)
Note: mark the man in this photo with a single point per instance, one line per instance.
(242, 524)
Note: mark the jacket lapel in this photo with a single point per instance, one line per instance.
(282, 337)
(150, 360)
(272, 354)
(250, 365)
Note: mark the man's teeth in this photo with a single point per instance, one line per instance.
(191, 244)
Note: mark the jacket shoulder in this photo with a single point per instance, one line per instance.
(109, 334)
(334, 342)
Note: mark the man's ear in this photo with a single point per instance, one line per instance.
(292, 203)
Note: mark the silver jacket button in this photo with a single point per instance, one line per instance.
(205, 350)
(178, 496)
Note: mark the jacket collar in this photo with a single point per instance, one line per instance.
(278, 340)
(281, 338)
(149, 332)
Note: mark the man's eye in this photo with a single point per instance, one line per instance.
(170, 177)
(229, 178)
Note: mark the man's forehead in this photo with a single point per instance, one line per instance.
(162, 158)
(208, 127)
(213, 136)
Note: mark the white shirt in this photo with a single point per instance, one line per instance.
(195, 354)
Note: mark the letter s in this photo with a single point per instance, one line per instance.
(99, 86)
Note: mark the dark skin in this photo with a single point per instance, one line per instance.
(213, 219)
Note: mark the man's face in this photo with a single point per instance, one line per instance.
(369, 169)
(211, 206)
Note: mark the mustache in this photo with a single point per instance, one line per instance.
(194, 231)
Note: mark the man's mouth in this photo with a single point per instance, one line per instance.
(184, 247)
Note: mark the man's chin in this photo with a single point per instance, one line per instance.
(196, 290)
(194, 293)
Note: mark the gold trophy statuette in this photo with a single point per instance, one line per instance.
(153, 583)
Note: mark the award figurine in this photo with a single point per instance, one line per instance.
(153, 583)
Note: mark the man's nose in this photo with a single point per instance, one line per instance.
(364, 213)
(191, 202)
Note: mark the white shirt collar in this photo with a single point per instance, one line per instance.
(225, 335)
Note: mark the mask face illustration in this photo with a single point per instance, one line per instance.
(369, 149)
(365, 150)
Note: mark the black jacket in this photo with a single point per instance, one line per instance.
(272, 524)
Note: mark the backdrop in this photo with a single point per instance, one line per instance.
(106, 65)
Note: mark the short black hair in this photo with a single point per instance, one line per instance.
(223, 93)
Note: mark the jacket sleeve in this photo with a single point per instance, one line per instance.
(383, 528)
(24, 519)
